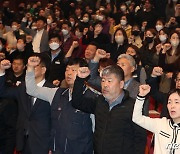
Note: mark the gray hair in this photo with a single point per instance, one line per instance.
(129, 58)
(113, 69)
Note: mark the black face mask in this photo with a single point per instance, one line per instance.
(149, 39)
(135, 32)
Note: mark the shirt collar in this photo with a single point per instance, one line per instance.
(40, 31)
(126, 84)
(117, 101)
(40, 84)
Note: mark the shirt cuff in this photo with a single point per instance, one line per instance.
(24, 19)
(2, 74)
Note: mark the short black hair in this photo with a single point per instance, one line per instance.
(94, 44)
(19, 57)
(44, 61)
(42, 19)
(77, 61)
(54, 35)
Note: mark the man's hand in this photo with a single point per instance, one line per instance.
(75, 44)
(32, 62)
(83, 72)
(56, 82)
(157, 71)
(101, 54)
(144, 90)
(5, 64)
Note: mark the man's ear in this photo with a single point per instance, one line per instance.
(122, 84)
(44, 70)
(133, 69)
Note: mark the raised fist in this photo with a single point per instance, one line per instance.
(157, 71)
(5, 64)
(144, 90)
(33, 61)
(83, 72)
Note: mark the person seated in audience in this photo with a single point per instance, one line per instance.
(167, 138)
(159, 96)
(71, 128)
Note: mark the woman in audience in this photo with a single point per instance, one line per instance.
(168, 58)
(167, 138)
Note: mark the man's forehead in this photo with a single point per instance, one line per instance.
(109, 75)
(73, 66)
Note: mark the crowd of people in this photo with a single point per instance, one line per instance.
(70, 73)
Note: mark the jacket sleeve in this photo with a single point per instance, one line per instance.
(148, 123)
(44, 93)
(94, 79)
(79, 101)
(5, 91)
(155, 93)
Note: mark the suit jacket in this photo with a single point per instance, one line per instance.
(44, 45)
(32, 121)
(133, 88)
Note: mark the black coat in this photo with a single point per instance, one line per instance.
(34, 121)
(115, 133)
(8, 118)
(57, 66)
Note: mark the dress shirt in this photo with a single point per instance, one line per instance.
(37, 40)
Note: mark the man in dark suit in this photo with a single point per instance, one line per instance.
(128, 64)
(40, 36)
(55, 57)
(34, 119)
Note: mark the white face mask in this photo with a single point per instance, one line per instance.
(49, 21)
(162, 38)
(123, 8)
(64, 31)
(54, 46)
(100, 18)
(174, 43)
(85, 19)
(159, 27)
(119, 39)
(20, 46)
(34, 27)
(123, 22)
(14, 27)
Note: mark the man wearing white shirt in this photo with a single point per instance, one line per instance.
(40, 36)
(34, 119)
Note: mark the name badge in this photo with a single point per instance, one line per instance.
(57, 62)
